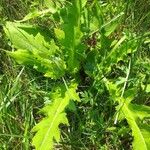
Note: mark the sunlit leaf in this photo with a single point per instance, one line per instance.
(35, 48)
(48, 129)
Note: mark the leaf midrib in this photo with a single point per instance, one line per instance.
(128, 115)
(53, 120)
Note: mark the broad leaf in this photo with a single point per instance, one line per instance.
(35, 48)
(136, 117)
(48, 129)
(74, 48)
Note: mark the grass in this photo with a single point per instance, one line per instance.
(23, 92)
(21, 97)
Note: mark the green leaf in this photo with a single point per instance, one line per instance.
(135, 115)
(74, 49)
(48, 129)
(83, 3)
(60, 35)
(25, 36)
(111, 26)
(119, 51)
(148, 88)
(37, 13)
(35, 48)
(91, 62)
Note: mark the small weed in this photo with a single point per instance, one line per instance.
(83, 78)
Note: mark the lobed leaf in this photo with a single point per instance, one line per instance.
(48, 129)
(135, 115)
(74, 49)
(35, 48)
